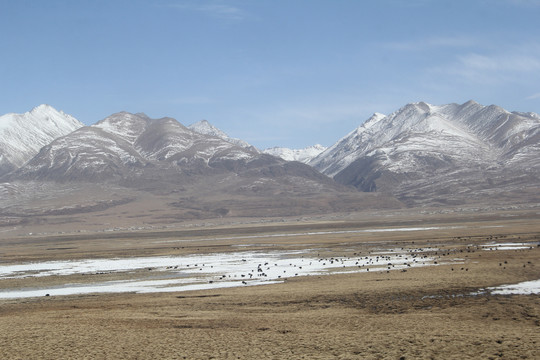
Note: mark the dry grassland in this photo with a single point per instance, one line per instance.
(423, 313)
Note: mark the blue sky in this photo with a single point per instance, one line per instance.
(272, 72)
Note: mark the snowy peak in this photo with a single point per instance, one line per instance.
(468, 130)
(374, 119)
(22, 135)
(302, 155)
(43, 116)
(205, 128)
(42, 109)
(420, 140)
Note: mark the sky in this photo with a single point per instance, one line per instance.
(287, 73)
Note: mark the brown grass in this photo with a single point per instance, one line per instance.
(424, 313)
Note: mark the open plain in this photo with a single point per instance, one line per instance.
(443, 309)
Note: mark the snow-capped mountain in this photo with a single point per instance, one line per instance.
(129, 148)
(304, 155)
(194, 174)
(167, 173)
(420, 154)
(424, 142)
(126, 145)
(22, 135)
(204, 127)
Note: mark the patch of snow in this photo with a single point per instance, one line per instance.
(522, 288)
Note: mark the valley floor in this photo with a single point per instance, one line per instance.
(442, 311)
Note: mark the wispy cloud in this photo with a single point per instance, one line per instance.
(324, 114)
(349, 113)
(191, 100)
(510, 62)
(433, 42)
(512, 65)
(527, 3)
(533, 96)
(293, 125)
(215, 9)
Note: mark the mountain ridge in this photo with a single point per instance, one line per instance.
(420, 153)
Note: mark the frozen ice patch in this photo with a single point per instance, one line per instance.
(508, 246)
(195, 272)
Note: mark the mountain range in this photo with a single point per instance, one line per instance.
(420, 155)
(127, 146)
(161, 166)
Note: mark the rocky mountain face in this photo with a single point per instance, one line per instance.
(304, 155)
(22, 135)
(447, 153)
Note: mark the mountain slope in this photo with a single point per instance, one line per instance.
(481, 147)
(22, 135)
